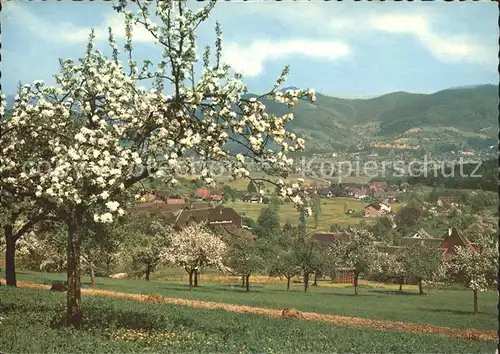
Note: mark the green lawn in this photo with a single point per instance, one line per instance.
(442, 307)
(332, 212)
(29, 321)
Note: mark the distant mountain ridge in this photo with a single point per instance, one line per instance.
(461, 116)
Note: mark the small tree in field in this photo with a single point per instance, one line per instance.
(423, 262)
(356, 251)
(309, 256)
(193, 248)
(145, 238)
(268, 222)
(284, 261)
(390, 267)
(246, 257)
(252, 188)
(41, 253)
(18, 216)
(316, 209)
(476, 269)
(100, 247)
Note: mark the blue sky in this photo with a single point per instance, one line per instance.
(344, 49)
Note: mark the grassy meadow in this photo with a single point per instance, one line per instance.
(30, 317)
(450, 306)
(332, 212)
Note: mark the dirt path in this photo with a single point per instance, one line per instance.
(460, 333)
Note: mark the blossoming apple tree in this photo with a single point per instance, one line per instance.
(476, 268)
(195, 247)
(96, 134)
(18, 216)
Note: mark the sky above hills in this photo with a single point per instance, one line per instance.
(345, 49)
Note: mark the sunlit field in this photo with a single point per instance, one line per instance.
(332, 212)
(449, 306)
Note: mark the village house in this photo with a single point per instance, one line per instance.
(446, 202)
(377, 209)
(392, 199)
(451, 239)
(220, 217)
(325, 192)
(421, 236)
(454, 238)
(378, 189)
(342, 274)
(216, 197)
(252, 198)
(202, 193)
(361, 193)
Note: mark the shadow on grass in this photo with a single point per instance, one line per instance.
(455, 312)
(394, 292)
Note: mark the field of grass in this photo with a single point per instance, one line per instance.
(332, 212)
(441, 306)
(29, 321)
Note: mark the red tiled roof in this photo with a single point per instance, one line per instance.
(202, 193)
(454, 238)
(326, 238)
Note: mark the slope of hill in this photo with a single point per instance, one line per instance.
(465, 117)
(455, 117)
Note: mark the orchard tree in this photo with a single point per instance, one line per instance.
(423, 261)
(316, 209)
(356, 251)
(100, 247)
(18, 216)
(268, 222)
(284, 261)
(302, 220)
(309, 256)
(390, 266)
(252, 188)
(246, 257)
(97, 133)
(193, 248)
(39, 253)
(476, 267)
(146, 239)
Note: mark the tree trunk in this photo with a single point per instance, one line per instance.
(74, 297)
(476, 309)
(288, 283)
(190, 280)
(10, 256)
(306, 281)
(420, 288)
(92, 276)
(401, 282)
(248, 282)
(148, 272)
(315, 283)
(356, 276)
(242, 281)
(196, 278)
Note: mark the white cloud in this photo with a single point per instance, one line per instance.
(343, 21)
(447, 48)
(249, 59)
(66, 32)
